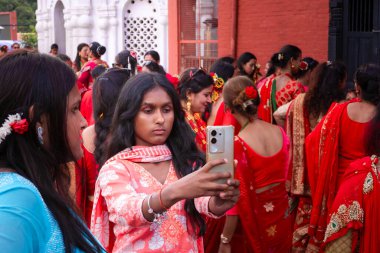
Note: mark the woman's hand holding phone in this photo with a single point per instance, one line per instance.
(204, 182)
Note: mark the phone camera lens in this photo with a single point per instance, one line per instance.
(213, 140)
(213, 132)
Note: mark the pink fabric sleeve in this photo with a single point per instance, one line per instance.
(124, 204)
(201, 204)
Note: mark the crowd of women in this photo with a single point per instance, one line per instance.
(100, 159)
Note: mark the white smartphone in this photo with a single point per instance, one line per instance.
(220, 144)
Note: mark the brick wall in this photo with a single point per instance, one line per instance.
(263, 27)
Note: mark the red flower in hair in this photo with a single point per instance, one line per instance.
(20, 126)
(303, 65)
(133, 54)
(251, 92)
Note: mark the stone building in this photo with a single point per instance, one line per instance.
(117, 24)
(196, 32)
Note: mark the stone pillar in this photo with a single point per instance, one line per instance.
(67, 26)
(103, 23)
(113, 36)
(79, 27)
(41, 29)
(163, 33)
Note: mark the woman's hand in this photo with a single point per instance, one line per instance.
(224, 201)
(202, 182)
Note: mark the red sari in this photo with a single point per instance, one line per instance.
(329, 151)
(297, 128)
(87, 171)
(215, 226)
(86, 107)
(357, 207)
(271, 99)
(225, 118)
(265, 216)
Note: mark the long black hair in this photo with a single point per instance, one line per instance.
(326, 86)
(186, 156)
(105, 89)
(77, 61)
(40, 83)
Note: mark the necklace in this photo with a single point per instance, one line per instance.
(199, 128)
(245, 125)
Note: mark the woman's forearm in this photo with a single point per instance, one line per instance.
(230, 226)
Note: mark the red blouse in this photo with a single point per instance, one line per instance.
(351, 145)
(274, 165)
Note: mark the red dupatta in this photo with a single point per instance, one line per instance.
(322, 148)
(264, 110)
(357, 207)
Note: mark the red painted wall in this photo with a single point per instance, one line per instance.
(12, 28)
(263, 27)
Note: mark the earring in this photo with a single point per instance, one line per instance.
(188, 105)
(40, 131)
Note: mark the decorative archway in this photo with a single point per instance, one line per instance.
(59, 27)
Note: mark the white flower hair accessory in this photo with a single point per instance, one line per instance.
(13, 123)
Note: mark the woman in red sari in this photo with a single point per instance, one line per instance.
(262, 217)
(84, 76)
(355, 214)
(330, 148)
(221, 71)
(304, 113)
(105, 90)
(281, 89)
(195, 87)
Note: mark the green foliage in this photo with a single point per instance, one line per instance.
(30, 39)
(26, 13)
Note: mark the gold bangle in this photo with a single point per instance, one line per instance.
(224, 239)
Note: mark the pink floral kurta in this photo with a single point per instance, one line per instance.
(124, 185)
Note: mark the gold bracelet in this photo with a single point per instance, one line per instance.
(224, 239)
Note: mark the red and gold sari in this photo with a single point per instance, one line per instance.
(271, 99)
(264, 215)
(355, 214)
(297, 128)
(326, 164)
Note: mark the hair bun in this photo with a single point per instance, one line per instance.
(101, 50)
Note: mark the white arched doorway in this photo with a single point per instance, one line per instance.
(59, 27)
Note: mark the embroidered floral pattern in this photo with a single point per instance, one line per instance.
(271, 231)
(368, 183)
(343, 216)
(124, 185)
(269, 207)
